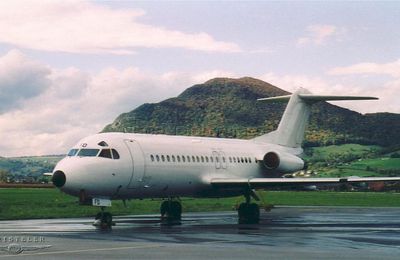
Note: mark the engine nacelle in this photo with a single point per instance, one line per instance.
(282, 162)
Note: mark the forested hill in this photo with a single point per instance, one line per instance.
(227, 107)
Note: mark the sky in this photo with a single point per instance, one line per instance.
(68, 68)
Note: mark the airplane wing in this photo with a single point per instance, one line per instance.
(257, 183)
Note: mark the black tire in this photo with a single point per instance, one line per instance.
(254, 213)
(164, 208)
(248, 213)
(176, 210)
(107, 218)
(98, 215)
(242, 213)
(171, 210)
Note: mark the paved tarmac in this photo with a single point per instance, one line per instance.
(284, 233)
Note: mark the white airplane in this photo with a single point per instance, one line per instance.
(120, 166)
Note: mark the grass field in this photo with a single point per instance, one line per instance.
(321, 153)
(17, 203)
(381, 163)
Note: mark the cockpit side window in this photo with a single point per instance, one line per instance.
(115, 154)
(88, 152)
(72, 152)
(106, 153)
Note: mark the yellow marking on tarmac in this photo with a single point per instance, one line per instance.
(85, 250)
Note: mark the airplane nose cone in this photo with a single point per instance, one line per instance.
(58, 179)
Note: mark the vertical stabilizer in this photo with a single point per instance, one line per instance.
(290, 132)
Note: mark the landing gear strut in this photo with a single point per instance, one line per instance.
(248, 213)
(103, 219)
(171, 212)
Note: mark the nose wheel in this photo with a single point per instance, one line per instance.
(103, 219)
(171, 212)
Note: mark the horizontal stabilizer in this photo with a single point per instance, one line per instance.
(290, 182)
(316, 98)
(291, 128)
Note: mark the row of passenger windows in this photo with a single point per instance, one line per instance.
(105, 153)
(203, 159)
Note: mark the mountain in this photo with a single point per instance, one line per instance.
(227, 107)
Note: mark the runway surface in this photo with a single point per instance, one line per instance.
(284, 233)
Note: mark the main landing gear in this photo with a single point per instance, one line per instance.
(103, 219)
(248, 213)
(171, 212)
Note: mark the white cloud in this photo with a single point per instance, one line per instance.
(369, 68)
(386, 93)
(320, 34)
(20, 79)
(87, 27)
(76, 104)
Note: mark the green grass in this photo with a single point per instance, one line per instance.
(339, 172)
(381, 163)
(343, 160)
(324, 152)
(23, 203)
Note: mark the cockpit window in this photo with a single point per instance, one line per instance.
(115, 154)
(72, 152)
(102, 143)
(88, 152)
(106, 153)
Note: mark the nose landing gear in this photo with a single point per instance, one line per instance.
(103, 219)
(171, 212)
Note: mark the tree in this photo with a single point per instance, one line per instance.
(3, 175)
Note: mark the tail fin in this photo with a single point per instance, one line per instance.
(290, 132)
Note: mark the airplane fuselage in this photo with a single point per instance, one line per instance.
(159, 166)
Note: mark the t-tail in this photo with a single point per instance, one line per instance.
(290, 132)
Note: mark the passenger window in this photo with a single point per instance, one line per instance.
(106, 153)
(230, 159)
(217, 159)
(197, 159)
(115, 154)
(157, 158)
(173, 158)
(73, 152)
(162, 158)
(193, 159)
(241, 160)
(223, 159)
(152, 158)
(238, 159)
(206, 159)
(211, 159)
(249, 160)
(168, 159)
(202, 159)
(234, 159)
(183, 158)
(245, 160)
(178, 158)
(188, 158)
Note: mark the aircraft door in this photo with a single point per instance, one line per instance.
(138, 172)
(222, 159)
(219, 159)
